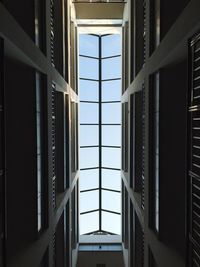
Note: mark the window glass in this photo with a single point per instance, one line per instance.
(111, 222)
(111, 135)
(89, 201)
(111, 179)
(89, 179)
(89, 90)
(89, 45)
(111, 90)
(85, 227)
(111, 45)
(110, 72)
(89, 68)
(89, 135)
(111, 157)
(111, 113)
(89, 113)
(111, 201)
(89, 157)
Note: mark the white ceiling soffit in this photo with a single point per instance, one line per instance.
(100, 30)
(99, 10)
(94, 239)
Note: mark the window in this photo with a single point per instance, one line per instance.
(59, 99)
(139, 243)
(40, 24)
(74, 136)
(155, 25)
(2, 177)
(41, 169)
(136, 141)
(154, 146)
(125, 136)
(100, 133)
(193, 181)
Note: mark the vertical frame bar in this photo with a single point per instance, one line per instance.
(100, 132)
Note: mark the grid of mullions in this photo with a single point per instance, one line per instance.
(100, 133)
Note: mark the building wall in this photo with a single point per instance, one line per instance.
(155, 185)
(38, 113)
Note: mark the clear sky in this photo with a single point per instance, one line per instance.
(89, 134)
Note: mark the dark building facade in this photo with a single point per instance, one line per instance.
(39, 130)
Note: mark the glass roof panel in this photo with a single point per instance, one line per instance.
(89, 90)
(111, 113)
(89, 179)
(111, 157)
(111, 179)
(89, 135)
(89, 45)
(89, 157)
(111, 45)
(92, 70)
(111, 201)
(111, 90)
(111, 135)
(89, 113)
(108, 72)
(89, 201)
(111, 222)
(86, 227)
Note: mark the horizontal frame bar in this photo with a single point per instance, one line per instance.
(89, 102)
(89, 146)
(111, 57)
(113, 79)
(108, 168)
(88, 79)
(110, 211)
(89, 190)
(91, 57)
(90, 168)
(111, 190)
(108, 102)
(89, 211)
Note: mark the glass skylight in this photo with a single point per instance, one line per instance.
(100, 133)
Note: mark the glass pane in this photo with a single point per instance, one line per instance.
(111, 113)
(89, 201)
(89, 45)
(89, 90)
(89, 135)
(89, 157)
(89, 179)
(111, 91)
(111, 222)
(111, 201)
(111, 157)
(89, 113)
(111, 68)
(111, 135)
(111, 179)
(86, 227)
(88, 68)
(111, 45)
